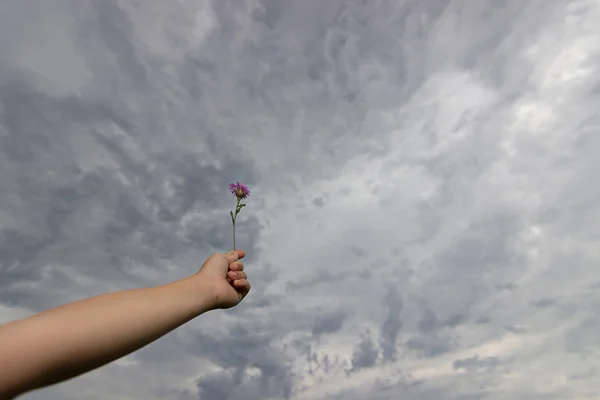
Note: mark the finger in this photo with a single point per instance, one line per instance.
(234, 255)
(233, 275)
(242, 286)
(236, 266)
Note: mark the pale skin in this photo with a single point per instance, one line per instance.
(70, 340)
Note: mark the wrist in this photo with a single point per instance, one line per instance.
(198, 293)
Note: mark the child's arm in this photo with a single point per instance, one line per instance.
(75, 338)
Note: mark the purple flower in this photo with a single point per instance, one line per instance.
(239, 190)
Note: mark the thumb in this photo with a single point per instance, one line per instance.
(234, 255)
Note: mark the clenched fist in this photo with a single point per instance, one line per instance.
(224, 274)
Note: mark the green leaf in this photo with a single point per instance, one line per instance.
(231, 213)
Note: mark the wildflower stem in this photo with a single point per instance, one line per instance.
(233, 218)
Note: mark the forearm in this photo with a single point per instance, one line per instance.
(75, 338)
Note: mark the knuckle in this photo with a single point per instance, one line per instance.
(237, 265)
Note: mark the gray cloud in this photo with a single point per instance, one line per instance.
(392, 324)
(239, 350)
(329, 323)
(365, 354)
(475, 363)
(420, 170)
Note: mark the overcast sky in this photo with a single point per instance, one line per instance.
(425, 214)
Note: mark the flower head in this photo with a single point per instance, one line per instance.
(239, 190)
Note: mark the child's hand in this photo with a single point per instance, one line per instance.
(223, 275)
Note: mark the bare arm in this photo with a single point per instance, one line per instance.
(75, 338)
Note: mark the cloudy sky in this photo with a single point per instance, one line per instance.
(424, 222)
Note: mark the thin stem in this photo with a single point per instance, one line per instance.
(233, 234)
(237, 210)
